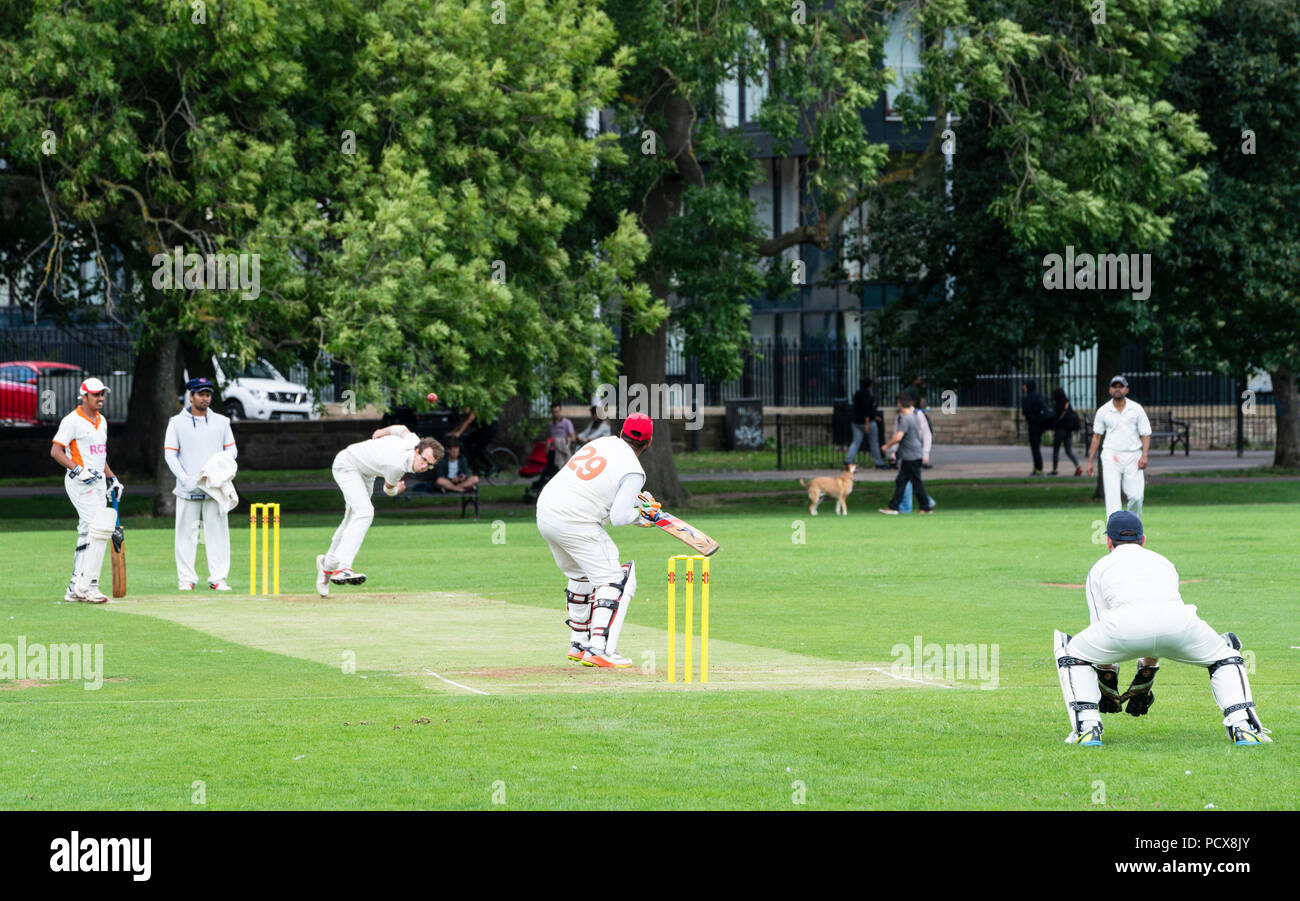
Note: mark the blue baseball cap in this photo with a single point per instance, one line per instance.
(199, 384)
(1124, 526)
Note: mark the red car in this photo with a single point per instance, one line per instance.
(19, 401)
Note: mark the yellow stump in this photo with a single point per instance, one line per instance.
(672, 619)
(277, 551)
(252, 549)
(704, 620)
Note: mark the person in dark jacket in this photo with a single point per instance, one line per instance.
(1038, 415)
(1065, 422)
(865, 416)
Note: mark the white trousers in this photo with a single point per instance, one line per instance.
(1120, 470)
(357, 517)
(1172, 631)
(190, 515)
(89, 500)
(582, 551)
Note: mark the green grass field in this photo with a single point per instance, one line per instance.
(442, 682)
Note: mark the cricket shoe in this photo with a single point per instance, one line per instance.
(322, 577)
(70, 596)
(92, 595)
(220, 585)
(576, 652)
(1247, 736)
(185, 586)
(604, 658)
(347, 577)
(1089, 738)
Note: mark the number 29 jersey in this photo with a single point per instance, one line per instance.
(583, 490)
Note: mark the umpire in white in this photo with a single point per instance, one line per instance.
(1137, 612)
(1127, 430)
(195, 436)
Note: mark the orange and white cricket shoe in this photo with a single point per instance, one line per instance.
(604, 658)
(576, 651)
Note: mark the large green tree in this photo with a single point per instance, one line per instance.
(402, 171)
(1064, 139)
(1231, 280)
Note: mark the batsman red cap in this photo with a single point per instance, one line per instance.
(639, 427)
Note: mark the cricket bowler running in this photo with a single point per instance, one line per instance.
(599, 484)
(1137, 612)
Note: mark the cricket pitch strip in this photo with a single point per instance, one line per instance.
(461, 643)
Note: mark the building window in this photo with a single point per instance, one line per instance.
(903, 55)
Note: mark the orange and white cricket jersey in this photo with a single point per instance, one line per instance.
(83, 439)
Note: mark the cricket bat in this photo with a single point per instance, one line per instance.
(686, 533)
(118, 557)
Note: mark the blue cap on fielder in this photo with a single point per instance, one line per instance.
(198, 384)
(1124, 526)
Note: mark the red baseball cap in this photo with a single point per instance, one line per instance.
(639, 427)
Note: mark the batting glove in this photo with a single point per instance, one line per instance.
(89, 476)
(115, 489)
(648, 507)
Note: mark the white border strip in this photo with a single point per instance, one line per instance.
(457, 684)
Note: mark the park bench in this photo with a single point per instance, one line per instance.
(1165, 428)
(427, 486)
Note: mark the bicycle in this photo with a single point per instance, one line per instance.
(495, 465)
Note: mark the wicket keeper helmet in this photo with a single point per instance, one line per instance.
(639, 427)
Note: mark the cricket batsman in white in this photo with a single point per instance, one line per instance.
(1127, 430)
(389, 454)
(195, 436)
(600, 484)
(81, 447)
(1137, 612)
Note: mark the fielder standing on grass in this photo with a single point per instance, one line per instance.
(1124, 453)
(389, 455)
(1137, 612)
(81, 447)
(197, 437)
(599, 484)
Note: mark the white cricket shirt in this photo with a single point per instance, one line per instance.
(1131, 576)
(585, 487)
(84, 440)
(389, 457)
(1124, 430)
(192, 441)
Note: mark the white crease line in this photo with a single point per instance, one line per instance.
(457, 684)
(907, 678)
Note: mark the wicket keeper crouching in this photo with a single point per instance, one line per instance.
(1137, 612)
(599, 484)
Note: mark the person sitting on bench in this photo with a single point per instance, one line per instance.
(451, 472)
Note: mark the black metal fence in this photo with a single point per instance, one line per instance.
(807, 441)
(41, 371)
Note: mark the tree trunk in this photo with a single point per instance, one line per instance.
(644, 363)
(644, 356)
(198, 362)
(155, 390)
(1287, 452)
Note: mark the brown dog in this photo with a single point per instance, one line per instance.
(839, 488)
